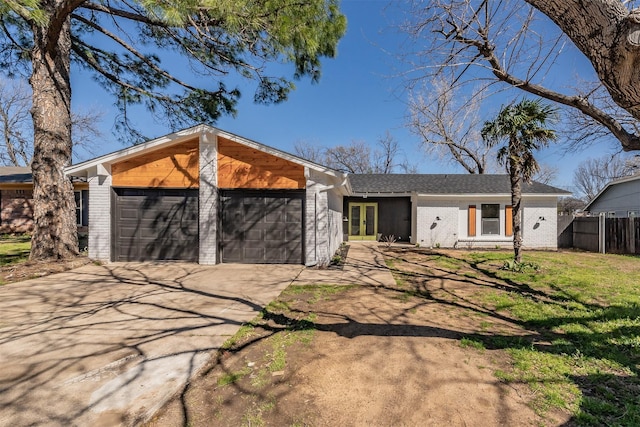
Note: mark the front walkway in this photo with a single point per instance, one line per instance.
(364, 265)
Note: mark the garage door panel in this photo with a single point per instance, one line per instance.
(268, 223)
(156, 225)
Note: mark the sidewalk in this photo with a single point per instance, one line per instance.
(364, 265)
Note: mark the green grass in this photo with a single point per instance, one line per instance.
(232, 377)
(14, 249)
(471, 343)
(581, 314)
(584, 310)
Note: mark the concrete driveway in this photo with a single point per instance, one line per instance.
(107, 345)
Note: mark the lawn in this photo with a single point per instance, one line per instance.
(555, 344)
(583, 312)
(14, 249)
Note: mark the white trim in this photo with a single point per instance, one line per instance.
(486, 195)
(180, 136)
(611, 184)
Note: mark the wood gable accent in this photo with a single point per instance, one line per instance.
(472, 220)
(508, 221)
(240, 166)
(176, 166)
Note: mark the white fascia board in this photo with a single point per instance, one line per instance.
(154, 144)
(385, 194)
(611, 184)
(278, 153)
(487, 196)
(180, 136)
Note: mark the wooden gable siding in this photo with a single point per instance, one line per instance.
(176, 166)
(245, 167)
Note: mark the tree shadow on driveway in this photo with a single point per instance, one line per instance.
(111, 343)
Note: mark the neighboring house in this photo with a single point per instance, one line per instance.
(209, 196)
(452, 210)
(16, 201)
(618, 199)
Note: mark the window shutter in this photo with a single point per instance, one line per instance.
(472, 220)
(508, 221)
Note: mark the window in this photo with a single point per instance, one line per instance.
(82, 207)
(490, 219)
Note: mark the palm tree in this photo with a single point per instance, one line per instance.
(523, 127)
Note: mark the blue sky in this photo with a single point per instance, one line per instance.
(357, 98)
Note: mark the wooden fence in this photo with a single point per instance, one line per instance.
(596, 234)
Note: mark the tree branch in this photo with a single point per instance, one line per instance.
(628, 140)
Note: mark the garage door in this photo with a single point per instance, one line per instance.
(262, 227)
(155, 225)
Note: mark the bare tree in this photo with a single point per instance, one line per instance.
(593, 174)
(570, 205)
(17, 128)
(309, 151)
(15, 124)
(546, 174)
(448, 122)
(507, 44)
(352, 158)
(358, 157)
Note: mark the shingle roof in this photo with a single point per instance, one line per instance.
(443, 184)
(15, 175)
(22, 175)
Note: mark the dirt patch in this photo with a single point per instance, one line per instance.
(33, 269)
(366, 355)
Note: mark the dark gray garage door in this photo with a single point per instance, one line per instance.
(155, 225)
(262, 227)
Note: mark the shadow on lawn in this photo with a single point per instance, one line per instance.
(586, 333)
(602, 361)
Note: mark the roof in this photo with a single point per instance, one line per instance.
(444, 184)
(610, 184)
(82, 169)
(15, 175)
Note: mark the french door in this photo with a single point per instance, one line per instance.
(363, 221)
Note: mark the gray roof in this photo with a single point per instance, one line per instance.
(15, 175)
(443, 184)
(22, 175)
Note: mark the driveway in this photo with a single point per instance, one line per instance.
(108, 345)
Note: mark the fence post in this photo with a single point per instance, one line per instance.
(602, 233)
(632, 234)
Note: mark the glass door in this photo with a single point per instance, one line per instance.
(363, 221)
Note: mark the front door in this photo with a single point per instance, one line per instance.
(363, 221)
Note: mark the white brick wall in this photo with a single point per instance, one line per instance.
(100, 218)
(208, 198)
(335, 221)
(432, 232)
(323, 219)
(538, 233)
(453, 223)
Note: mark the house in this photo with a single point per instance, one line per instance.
(449, 210)
(618, 199)
(16, 201)
(209, 196)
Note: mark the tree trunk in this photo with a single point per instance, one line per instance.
(515, 176)
(55, 231)
(609, 36)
